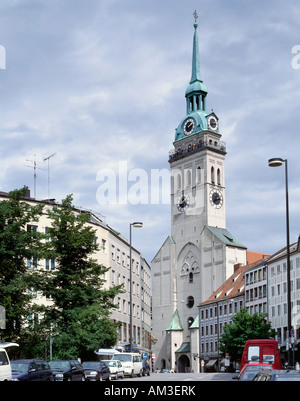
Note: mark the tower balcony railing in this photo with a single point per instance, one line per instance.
(195, 147)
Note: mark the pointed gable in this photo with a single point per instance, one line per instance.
(175, 324)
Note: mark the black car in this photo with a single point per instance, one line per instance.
(146, 368)
(31, 370)
(67, 370)
(96, 371)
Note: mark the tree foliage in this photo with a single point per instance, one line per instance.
(243, 327)
(79, 317)
(20, 247)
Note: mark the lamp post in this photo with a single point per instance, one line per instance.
(277, 162)
(136, 225)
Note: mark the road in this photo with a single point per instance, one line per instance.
(184, 377)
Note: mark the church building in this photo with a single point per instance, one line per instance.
(200, 253)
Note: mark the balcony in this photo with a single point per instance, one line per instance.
(175, 154)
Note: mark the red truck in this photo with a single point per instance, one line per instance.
(262, 351)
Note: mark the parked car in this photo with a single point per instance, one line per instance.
(273, 375)
(96, 371)
(250, 370)
(146, 368)
(115, 368)
(31, 370)
(67, 370)
(131, 362)
(5, 367)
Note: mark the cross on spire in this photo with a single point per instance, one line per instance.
(195, 16)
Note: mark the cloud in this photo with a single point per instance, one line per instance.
(98, 82)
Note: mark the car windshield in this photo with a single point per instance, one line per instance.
(251, 371)
(59, 365)
(20, 367)
(111, 363)
(91, 365)
(124, 358)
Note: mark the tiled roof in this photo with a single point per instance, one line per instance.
(234, 286)
(226, 237)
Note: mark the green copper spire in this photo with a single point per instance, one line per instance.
(196, 75)
(196, 82)
(196, 119)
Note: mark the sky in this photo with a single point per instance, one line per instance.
(100, 85)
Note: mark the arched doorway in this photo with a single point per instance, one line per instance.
(183, 364)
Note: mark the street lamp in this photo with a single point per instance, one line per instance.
(136, 225)
(277, 162)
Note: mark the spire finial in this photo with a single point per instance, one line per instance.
(196, 17)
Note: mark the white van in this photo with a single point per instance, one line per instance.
(131, 363)
(5, 368)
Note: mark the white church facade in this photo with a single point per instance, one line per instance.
(200, 253)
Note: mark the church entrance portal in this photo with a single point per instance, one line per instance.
(183, 364)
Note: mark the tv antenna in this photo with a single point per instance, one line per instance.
(34, 162)
(48, 159)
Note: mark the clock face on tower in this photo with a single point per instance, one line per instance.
(213, 123)
(183, 203)
(216, 198)
(189, 126)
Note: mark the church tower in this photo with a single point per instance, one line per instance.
(200, 253)
(197, 163)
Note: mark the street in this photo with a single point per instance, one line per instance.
(184, 377)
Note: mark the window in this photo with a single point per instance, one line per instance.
(190, 302)
(198, 174)
(3, 359)
(50, 264)
(212, 175)
(219, 177)
(32, 263)
(178, 182)
(189, 178)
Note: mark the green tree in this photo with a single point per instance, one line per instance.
(20, 249)
(79, 316)
(243, 327)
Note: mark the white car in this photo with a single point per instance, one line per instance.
(5, 368)
(115, 367)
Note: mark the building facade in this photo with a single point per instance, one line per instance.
(200, 253)
(277, 291)
(256, 289)
(114, 251)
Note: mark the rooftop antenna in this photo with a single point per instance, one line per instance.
(47, 159)
(34, 162)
